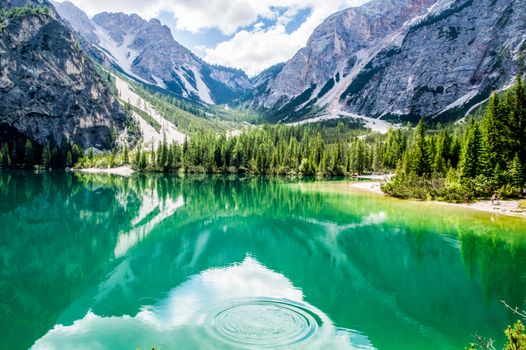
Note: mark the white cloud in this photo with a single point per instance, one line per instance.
(258, 49)
(251, 50)
(226, 15)
(145, 8)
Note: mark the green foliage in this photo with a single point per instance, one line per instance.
(516, 337)
(471, 152)
(488, 157)
(29, 156)
(185, 115)
(5, 156)
(126, 155)
(275, 150)
(147, 117)
(420, 153)
(46, 157)
(15, 12)
(69, 159)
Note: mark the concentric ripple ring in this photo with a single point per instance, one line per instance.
(264, 323)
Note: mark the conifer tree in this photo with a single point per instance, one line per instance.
(518, 119)
(6, 156)
(76, 153)
(443, 146)
(516, 172)
(126, 155)
(69, 160)
(469, 159)
(138, 153)
(495, 132)
(46, 157)
(29, 157)
(420, 155)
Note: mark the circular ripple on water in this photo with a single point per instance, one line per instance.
(264, 323)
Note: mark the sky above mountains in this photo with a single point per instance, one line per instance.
(247, 34)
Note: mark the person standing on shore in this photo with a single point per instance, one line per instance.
(495, 199)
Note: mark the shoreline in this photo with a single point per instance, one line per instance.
(125, 171)
(505, 207)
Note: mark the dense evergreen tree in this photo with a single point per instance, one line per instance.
(496, 132)
(29, 156)
(487, 157)
(5, 156)
(126, 154)
(46, 157)
(516, 172)
(420, 157)
(470, 165)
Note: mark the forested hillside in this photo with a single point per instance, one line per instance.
(481, 158)
(458, 162)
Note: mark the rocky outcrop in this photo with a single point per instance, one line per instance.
(340, 44)
(50, 92)
(73, 14)
(447, 63)
(147, 51)
(403, 59)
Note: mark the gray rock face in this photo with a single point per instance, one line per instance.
(147, 51)
(82, 22)
(49, 90)
(404, 59)
(337, 46)
(260, 83)
(447, 62)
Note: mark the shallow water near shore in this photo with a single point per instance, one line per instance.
(92, 261)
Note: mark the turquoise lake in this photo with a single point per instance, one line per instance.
(203, 262)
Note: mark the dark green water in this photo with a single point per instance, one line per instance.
(101, 262)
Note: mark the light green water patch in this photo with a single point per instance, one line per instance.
(106, 262)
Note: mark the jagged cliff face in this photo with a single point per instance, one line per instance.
(73, 14)
(340, 44)
(403, 59)
(260, 82)
(50, 91)
(446, 63)
(146, 51)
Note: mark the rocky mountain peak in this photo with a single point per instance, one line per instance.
(402, 59)
(339, 44)
(147, 52)
(50, 92)
(67, 9)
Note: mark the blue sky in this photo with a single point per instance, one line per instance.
(247, 34)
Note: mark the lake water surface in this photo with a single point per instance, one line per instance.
(103, 262)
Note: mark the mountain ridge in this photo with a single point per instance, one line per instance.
(147, 51)
(436, 63)
(50, 92)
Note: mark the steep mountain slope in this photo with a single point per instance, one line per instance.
(50, 92)
(147, 51)
(154, 126)
(447, 62)
(402, 59)
(343, 42)
(261, 81)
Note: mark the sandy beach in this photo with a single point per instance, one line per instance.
(121, 171)
(505, 207)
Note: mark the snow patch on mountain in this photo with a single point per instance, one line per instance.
(202, 90)
(149, 134)
(374, 124)
(119, 53)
